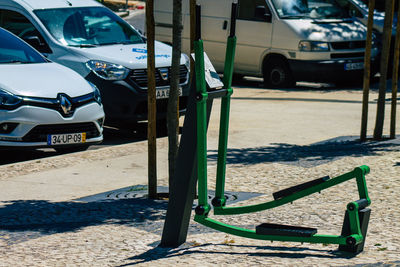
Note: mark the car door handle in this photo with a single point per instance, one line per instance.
(225, 25)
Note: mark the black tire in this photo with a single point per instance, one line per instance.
(71, 149)
(277, 74)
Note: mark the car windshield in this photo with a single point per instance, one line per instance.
(88, 26)
(379, 5)
(314, 9)
(15, 51)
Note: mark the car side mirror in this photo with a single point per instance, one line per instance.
(34, 41)
(262, 14)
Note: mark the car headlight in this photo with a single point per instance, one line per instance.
(311, 46)
(107, 71)
(96, 93)
(187, 61)
(9, 100)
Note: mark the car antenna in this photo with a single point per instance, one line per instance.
(68, 2)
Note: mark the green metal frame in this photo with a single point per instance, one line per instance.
(355, 237)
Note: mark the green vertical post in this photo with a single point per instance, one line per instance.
(201, 98)
(219, 199)
(360, 173)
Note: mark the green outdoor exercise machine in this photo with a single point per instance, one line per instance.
(192, 168)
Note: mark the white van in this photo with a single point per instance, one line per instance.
(92, 40)
(281, 40)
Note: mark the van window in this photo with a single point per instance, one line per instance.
(19, 25)
(88, 26)
(314, 9)
(247, 9)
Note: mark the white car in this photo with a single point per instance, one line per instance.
(103, 48)
(44, 104)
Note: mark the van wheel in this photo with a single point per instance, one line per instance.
(277, 74)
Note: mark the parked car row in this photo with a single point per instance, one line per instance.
(91, 60)
(283, 41)
(102, 64)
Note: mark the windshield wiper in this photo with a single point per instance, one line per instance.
(84, 45)
(293, 16)
(122, 43)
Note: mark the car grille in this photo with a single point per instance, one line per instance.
(39, 133)
(347, 55)
(348, 45)
(139, 77)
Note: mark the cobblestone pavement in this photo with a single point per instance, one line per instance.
(123, 228)
(127, 231)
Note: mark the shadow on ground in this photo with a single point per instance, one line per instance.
(21, 220)
(226, 249)
(32, 218)
(308, 155)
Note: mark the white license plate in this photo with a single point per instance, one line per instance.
(354, 66)
(164, 93)
(65, 139)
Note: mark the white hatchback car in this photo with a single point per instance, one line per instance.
(44, 104)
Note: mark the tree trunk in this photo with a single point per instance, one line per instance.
(151, 91)
(173, 100)
(395, 78)
(387, 34)
(367, 72)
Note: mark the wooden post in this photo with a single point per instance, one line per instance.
(387, 34)
(367, 72)
(395, 78)
(151, 91)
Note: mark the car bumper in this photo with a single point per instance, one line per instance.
(327, 70)
(34, 124)
(126, 103)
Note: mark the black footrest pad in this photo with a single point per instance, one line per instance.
(291, 190)
(284, 230)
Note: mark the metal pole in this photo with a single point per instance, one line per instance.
(151, 91)
(192, 34)
(395, 78)
(367, 72)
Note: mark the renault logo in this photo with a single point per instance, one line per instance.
(164, 73)
(65, 104)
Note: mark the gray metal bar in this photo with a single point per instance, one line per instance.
(183, 187)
